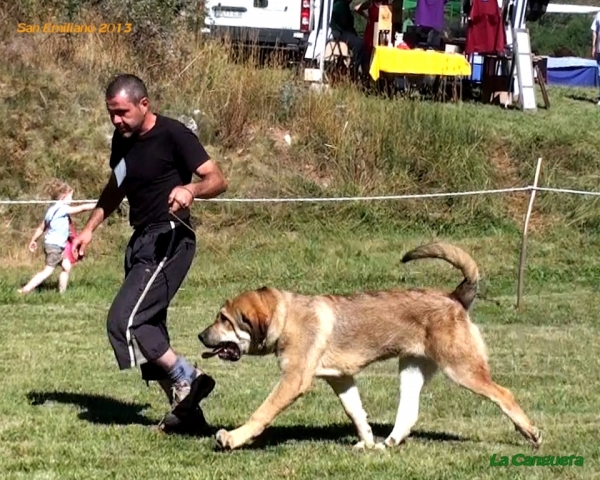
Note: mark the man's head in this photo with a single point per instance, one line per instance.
(127, 103)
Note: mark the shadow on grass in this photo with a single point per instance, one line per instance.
(98, 409)
(344, 434)
(103, 410)
(582, 98)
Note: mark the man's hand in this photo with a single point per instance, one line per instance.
(180, 198)
(80, 242)
(32, 246)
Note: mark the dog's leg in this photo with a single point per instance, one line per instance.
(469, 368)
(414, 373)
(479, 381)
(347, 391)
(290, 387)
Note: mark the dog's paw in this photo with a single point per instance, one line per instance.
(362, 446)
(533, 435)
(391, 442)
(225, 440)
(536, 441)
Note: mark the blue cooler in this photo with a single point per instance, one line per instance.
(476, 62)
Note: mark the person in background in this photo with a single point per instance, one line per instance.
(370, 10)
(56, 228)
(343, 30)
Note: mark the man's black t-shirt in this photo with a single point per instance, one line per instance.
(148, 167)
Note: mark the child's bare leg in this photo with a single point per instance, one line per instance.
(37, 279)
(63, 277)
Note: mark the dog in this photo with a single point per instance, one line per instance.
(334, 337)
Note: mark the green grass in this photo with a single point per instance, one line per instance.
(67, 412)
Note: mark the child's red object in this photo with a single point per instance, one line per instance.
(69, 246)
(69, 253)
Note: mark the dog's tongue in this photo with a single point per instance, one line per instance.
(216, 351)
(226, 351)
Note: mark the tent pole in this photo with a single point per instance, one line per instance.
(325, 32)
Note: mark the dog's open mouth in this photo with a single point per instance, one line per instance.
(225, 351)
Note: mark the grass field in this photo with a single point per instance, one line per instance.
(68, 413)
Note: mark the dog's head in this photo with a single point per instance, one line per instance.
(242, 325)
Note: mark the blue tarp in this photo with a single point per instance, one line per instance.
(572, 72)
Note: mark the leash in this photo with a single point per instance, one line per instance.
(182, 222)
(179, 219)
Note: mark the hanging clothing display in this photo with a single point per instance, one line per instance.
(485, 30)
(430, 13)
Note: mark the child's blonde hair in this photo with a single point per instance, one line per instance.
(57, 189)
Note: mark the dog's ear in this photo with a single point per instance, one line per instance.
(258, 326)
(257, 312)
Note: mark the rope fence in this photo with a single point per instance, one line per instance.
(532, 189)
(307, 199)
(529, 188)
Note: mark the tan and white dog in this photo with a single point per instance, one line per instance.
(335, 337)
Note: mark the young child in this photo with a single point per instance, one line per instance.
(57, 229)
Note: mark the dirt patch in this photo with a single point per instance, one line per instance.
(281, 138)
(507, 176)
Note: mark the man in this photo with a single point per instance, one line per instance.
(596, 44)
(152, 160)
(342, 29)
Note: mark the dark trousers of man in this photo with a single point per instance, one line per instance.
(157, 261)
(360, 55)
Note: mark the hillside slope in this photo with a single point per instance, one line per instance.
(53, 123)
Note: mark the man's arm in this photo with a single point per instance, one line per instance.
(212, 182)
(110, 199)
(362, 8)
(194, 158)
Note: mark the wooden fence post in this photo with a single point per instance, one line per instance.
(524, 239)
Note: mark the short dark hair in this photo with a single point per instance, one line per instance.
(133, 86)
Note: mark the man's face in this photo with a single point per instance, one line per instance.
(125, 115)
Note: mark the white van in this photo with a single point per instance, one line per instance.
(282, 24)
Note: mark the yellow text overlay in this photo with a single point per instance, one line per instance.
(50, 27)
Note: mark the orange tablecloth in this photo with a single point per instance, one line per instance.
(418, 62)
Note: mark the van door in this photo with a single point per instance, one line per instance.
(260, 14)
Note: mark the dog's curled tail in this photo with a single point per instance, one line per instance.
(458, 258)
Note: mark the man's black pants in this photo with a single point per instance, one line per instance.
(157, 261)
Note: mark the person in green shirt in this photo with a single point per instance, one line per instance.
(342, 29)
